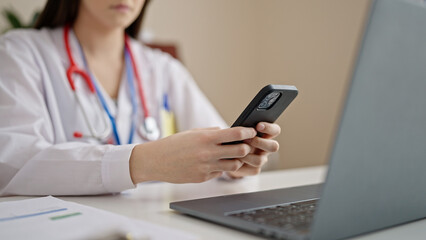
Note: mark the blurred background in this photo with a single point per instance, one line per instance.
(235, 47)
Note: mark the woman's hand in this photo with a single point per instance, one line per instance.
(262, 147)
(192, 156)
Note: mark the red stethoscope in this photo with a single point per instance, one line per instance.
(148, 130)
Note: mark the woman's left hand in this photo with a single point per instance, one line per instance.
(262, 147)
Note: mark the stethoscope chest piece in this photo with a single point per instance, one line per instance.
(149, 129)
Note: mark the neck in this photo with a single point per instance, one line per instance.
(98, 40)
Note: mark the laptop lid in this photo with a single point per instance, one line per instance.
(377, 169)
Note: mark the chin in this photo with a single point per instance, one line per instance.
(119, 23)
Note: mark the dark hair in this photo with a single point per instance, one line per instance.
(58, 13)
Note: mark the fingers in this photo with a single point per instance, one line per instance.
(232, 151)
(255, 160)
(228, 165)
(267, 145)
(235, 134)
(245, 170)
(270, 130)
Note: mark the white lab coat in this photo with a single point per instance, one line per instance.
(39, 114)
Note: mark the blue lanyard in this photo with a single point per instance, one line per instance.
(130, 81)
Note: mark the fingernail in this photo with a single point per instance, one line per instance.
(261, 126)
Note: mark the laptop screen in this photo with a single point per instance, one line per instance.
(376, 173)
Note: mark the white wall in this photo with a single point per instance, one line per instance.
(311, 44)
(217, 40)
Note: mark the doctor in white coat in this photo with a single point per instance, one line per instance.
(83, 107)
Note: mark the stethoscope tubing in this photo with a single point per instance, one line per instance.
(137, 76)
(74, 69)
(130, 82)
(103, 102)
(152, 133)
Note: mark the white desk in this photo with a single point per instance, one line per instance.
(150, 202)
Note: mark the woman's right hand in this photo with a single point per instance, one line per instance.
(191, 156)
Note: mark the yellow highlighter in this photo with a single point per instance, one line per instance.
(167, 118)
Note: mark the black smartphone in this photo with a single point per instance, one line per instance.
(266, 106)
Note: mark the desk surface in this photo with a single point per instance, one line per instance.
(150, 202)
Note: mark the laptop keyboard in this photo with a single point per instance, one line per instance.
(294, 216)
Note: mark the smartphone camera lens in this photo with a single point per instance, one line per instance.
(269, 100)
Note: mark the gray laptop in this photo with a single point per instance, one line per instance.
(377, 170)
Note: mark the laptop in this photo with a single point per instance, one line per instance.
(376, 173)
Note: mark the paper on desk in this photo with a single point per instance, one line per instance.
(52, 218)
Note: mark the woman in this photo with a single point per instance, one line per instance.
(81, 103)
